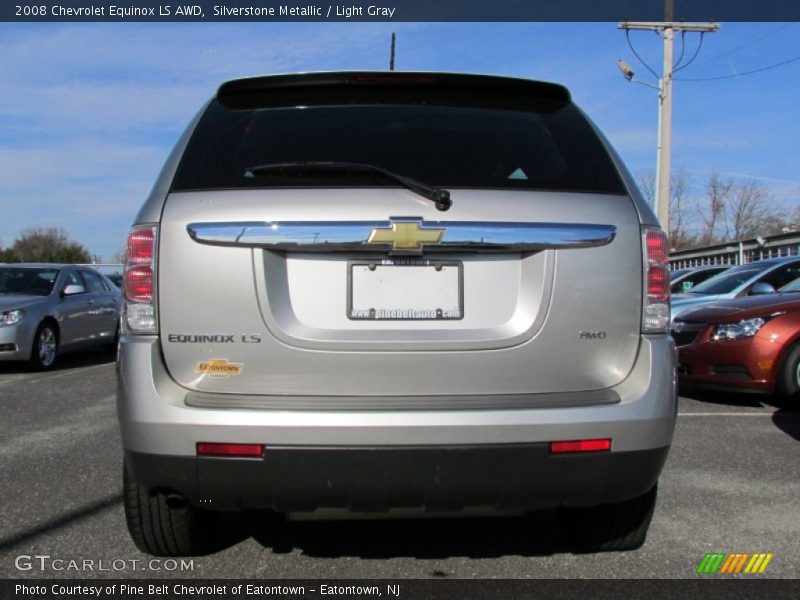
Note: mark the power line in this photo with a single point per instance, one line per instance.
(696, 52)
(747, 45)
(775, 66)
(683, 49)
(636, 54)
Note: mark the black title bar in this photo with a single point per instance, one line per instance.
(367, 589)
(396, 10)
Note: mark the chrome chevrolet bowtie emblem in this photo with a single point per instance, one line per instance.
(406, 236)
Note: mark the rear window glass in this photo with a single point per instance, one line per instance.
(552, 148)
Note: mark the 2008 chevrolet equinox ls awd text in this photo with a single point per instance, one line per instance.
(378, 291)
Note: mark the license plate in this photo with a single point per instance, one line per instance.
(419, 290)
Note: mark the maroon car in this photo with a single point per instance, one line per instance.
(750, 343)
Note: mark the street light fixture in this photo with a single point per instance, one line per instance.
(628, 73)
(626, 69)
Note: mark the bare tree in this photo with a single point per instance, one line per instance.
(118, 256)
(49, 244)
(647, 185)
(749, 210)
(680, 221)
(713, 212)
(793, 223)
(730, 209)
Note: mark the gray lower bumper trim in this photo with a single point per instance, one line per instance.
(400, 403)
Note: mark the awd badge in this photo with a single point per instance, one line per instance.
(219, 367)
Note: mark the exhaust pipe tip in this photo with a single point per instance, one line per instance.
(176, 501)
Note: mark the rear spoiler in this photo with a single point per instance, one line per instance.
(348, 80)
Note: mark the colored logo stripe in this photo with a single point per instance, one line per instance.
(737, 562)
(734, 563)
(711, 563)
(758, 564)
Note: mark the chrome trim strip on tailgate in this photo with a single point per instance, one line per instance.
(405, 235)
(403, 403)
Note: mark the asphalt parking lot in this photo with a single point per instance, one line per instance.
(730, 485)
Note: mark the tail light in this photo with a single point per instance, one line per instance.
(139, 284)
(655, 299)
(230, 450)
(601, 445)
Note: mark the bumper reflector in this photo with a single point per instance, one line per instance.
(580, 446)
(230, 450)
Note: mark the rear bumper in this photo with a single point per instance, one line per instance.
(376, 479)
(350, 458)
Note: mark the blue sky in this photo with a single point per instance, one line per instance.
(89, 112)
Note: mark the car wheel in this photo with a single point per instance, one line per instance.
(112, 345)
(788, 384)
(609, 527)
(165, 525)
(45, 347)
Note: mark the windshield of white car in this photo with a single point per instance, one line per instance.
(727, 281)
(24, 281)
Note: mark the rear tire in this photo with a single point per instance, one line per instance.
(112, 345)
(788, 381)
(609, 527)
(165, 525)
(45, 347)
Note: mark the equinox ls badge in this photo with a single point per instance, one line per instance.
(213, 338)
(405, 234)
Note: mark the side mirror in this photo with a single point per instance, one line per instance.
(762, 288)
(72, 289)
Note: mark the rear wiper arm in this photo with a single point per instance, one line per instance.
(440, 197)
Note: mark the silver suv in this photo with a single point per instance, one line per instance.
(381, 291)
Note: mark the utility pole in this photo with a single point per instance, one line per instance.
(667, 28)
(391, 55)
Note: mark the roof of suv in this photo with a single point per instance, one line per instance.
(348, 79)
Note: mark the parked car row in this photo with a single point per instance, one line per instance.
(47, 309)
(740, 329)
